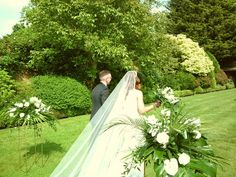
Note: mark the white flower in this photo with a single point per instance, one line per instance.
(34, 99)
(28, 117)
(37, 104)
(22, 115)
(11, 114)
(196, 122)
(166, 112)
(26, 104)
(162, 138)
(153, 131)
(184, 159)
(197, 134)
(171, 166)
(151, 120)
(167, 91)
(19, 105)
(37, 111)
(12, 110)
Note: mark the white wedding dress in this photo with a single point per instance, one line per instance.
(99, 153)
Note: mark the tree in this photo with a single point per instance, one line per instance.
(212, 23)
(78, 37)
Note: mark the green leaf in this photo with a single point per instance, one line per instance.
(159, 169)
(204, 166)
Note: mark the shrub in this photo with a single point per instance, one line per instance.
(7, 90)
(182, 93)
(230, 85)
(65, 95)
(217, 88)
(204, 81)
(7, 87)
(221, 77)
(185, 80)
(199, 89)
(171, 81)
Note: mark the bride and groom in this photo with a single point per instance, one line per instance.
(99, 153)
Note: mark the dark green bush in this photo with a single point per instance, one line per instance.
(186, 80)
(7, 90)
(180, 81)
(66, 96)
(7, 87)
(215, 62)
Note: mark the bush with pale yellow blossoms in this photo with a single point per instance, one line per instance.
(194, 59)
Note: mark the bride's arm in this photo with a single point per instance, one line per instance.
(141, 107)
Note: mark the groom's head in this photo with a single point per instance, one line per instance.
(105, 77)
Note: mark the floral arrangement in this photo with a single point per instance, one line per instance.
(195, 59)
(173, 142)
(30, 113)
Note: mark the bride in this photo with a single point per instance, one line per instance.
(99, 153)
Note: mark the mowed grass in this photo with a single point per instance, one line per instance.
(19, 158)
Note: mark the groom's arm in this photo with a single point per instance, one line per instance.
(104, 95)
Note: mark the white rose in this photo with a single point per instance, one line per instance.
(171, 166)
(151, 120)
(197, 134)
(184, 159)
(26, 104)
(22, 115)
(162, 138)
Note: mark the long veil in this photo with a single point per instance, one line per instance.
(90, 146)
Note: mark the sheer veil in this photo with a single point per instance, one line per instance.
(93, 144)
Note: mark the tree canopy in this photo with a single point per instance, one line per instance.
(212, 23)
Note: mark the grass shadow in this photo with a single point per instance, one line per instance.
(40, 153)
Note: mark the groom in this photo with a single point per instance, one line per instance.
(101, 91)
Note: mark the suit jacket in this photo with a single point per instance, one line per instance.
(99, 95)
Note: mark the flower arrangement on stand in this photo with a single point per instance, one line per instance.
(31, 113)
(173, 142)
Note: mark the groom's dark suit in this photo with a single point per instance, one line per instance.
(99, 95)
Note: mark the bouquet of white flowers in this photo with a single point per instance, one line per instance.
(30, 113)
(173, 142)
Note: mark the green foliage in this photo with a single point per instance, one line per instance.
(211, 23)
(199, 89)
(179, 81)
(80, 38)
(182, 93)
(63, 94)
(7, 87)
(230, 85)
(221, 77)
(214, 60)
(204, 81)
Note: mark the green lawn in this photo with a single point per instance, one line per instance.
(216, 110)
